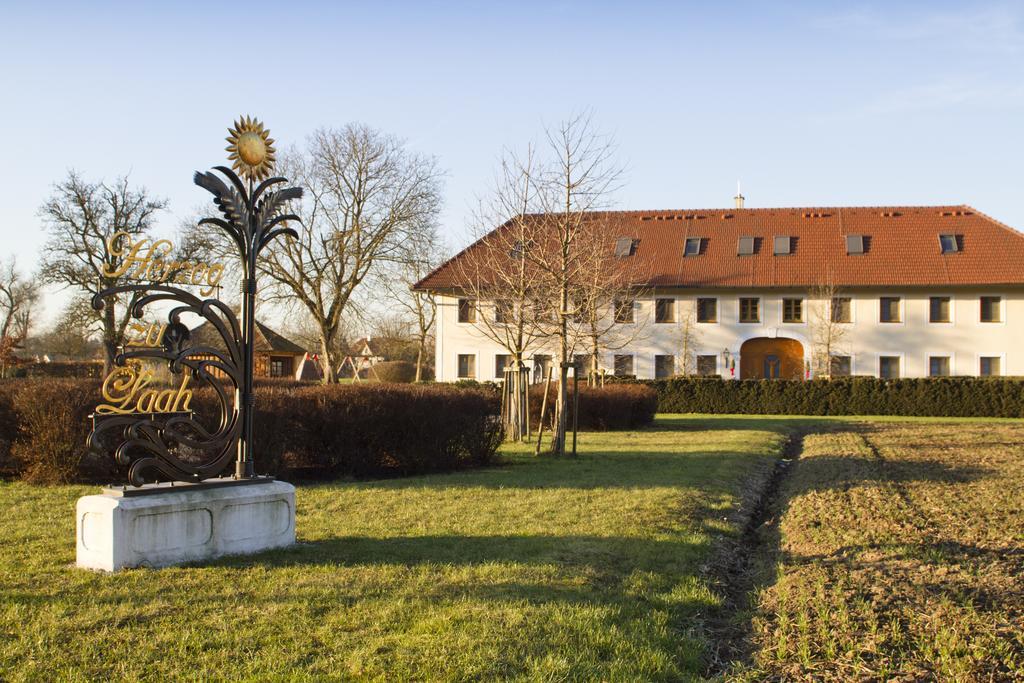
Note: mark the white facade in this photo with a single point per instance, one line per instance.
(915, 340)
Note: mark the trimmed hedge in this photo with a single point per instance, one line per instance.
(939, 397)
(315, 431)
(616, 406)
(68, 368)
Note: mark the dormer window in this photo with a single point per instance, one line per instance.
(746, 246)
(782, 245)
(948, 244)
(693, 245)
(856, 244)
(625, 246)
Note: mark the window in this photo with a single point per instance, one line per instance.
(664, 311)
(625, 246)
(746, 246)
(938, 307)
(693, 245)
(503, 311)
(276, 367)
(467, 366)
(948, 244)
(623, 310)
(750, 310)
(991, 309)
(842, 309)
(581, 309)
(889, 367)
(664, 366)
(840, 366)
(467, 310)
(707, 310)
(889, 309)
(707, 365)
(792, 310)
(782, 245)
(623, 365)
(938, 366)
(855, 244)
(501, 361)
(990, 366)
(541, 366)
(582, 363)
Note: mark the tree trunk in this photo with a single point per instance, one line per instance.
(328, 362)
(420, 352)
(561, 408)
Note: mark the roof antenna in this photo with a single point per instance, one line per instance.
(739, 196)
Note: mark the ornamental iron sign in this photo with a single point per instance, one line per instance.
(152, 428)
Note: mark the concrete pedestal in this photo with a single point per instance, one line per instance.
(161, 525)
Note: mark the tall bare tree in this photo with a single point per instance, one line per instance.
(579, 181)
(501, 279)
(420, 255)
(18, 298)
(366, 194)
(80, 217)
(610, 281)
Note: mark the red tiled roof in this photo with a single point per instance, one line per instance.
(902, 250)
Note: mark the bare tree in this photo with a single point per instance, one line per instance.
(72, 335)
(366, 194)
(18, 297)
(500, 279)
(689, 338)
(610, 281)
(421, 254)
(578, 182)
(828, 329)
(81, 217)
(393, 337)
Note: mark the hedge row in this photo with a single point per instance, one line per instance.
(940, 396)
(616, 406)
(316, 431)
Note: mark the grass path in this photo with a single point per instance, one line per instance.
(539, 569)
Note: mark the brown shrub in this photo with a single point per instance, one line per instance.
(395, 371)
(615, 406)
(53, 423)
(8, 428)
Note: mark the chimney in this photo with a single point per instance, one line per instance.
(739, 196)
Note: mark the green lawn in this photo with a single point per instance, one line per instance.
(538, 569)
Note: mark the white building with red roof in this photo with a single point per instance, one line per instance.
(915, 291)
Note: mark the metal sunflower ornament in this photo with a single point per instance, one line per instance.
(250, 149)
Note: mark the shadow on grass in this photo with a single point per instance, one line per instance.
(612, 555)
(782, 424)
(654, 468)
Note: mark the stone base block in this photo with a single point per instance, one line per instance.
(161, 525)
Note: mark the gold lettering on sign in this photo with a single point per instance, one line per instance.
(145, 334)
(148, 259)
(126, 390)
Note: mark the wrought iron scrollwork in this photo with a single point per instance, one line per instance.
(170, 443)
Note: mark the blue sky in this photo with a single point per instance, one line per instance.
(808, 104)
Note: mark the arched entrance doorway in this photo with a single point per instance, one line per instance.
(771, 358)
